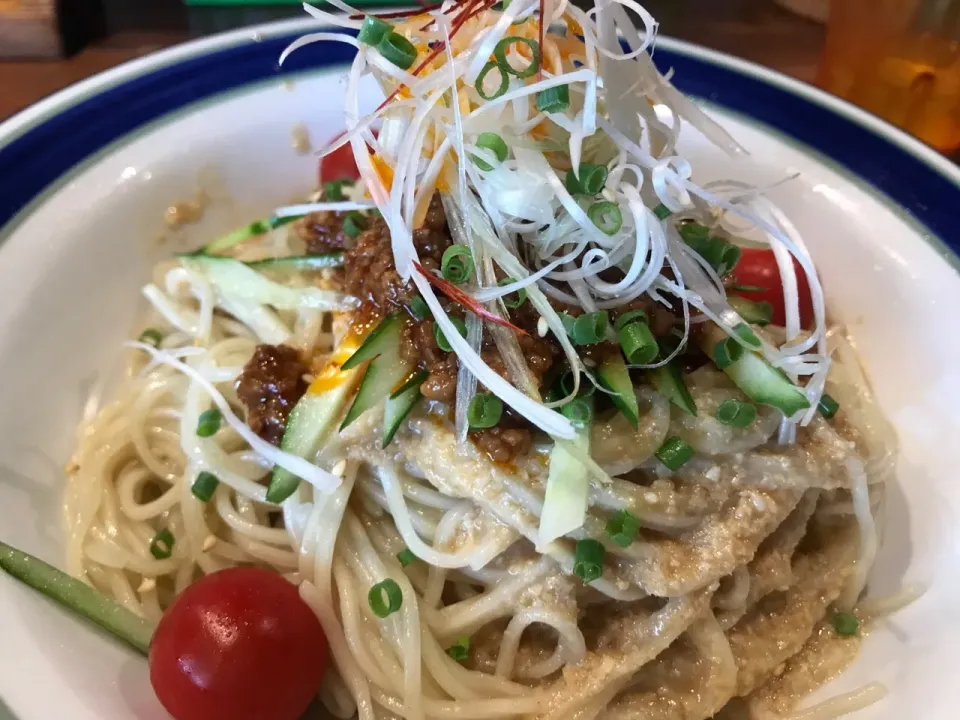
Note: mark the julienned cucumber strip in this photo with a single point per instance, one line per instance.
(234, 279)
(615, 377)
(568, 485)
(257, 227)
(668, 380)
(299, 262)
(78, 597)
(758, 379)
(399, 405)
(310, 421)
(383, 375)
(384, 339)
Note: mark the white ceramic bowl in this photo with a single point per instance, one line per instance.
(86, 175)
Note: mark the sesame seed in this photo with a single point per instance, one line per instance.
(651, 497)
(542, 327)
(147, 585)
(209, 542)
(340, 468)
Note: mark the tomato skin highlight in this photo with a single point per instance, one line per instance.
(340, 164)
(239, 644)
(758, 268)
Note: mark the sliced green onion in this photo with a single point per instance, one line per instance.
(588, 560)
(397, 49)
(693, 232)
(623, 527)
(514, 299)
(481, 163)
(456, 264)
(354, 224)
(722, 255)
(639, 345)
(670, 342)
(757, 313)
(606, 216)
(495, 144)
(484, 411)
(745, 333)
(674, 453)
(589, 179)
(591, 328)
(568, 321)
(405, 557)
(500, 53)
(730, 255)
(373, 30)
(578, 412)
(204, 486)
(727, 352)
(828, 407)
(385, 598)
(460, 650)
(150, 336)
(553, 100)
(662, 212)
(587, 388)
(161, 547)
(441, 338)
(846, 624)
(504, 81)
(492, 141)
(736, 414)
(419, 309)
(209, 423)
(333, 190)
(633, 316)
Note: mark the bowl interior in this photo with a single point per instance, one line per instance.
(70, 273)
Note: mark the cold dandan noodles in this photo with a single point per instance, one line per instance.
(505, 377)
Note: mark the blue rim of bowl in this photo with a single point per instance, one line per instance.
(45, 142)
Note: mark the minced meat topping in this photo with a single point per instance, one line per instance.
(369, 274)
(269, 386)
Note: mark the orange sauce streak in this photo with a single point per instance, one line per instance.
(331, 376)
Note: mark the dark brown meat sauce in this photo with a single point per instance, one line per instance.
(323, 232)
(269, 386)
(370, 274)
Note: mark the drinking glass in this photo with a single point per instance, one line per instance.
(899, 59)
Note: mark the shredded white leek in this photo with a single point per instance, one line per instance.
(520, 219)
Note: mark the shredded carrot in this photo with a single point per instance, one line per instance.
(384, 171)
(549, 51)
(572, 25)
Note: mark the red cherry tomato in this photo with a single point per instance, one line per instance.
(238, 644)
(339, 165)
(758, 269)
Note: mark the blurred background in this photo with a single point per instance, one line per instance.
(899, 59)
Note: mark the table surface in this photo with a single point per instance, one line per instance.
(754, 29)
